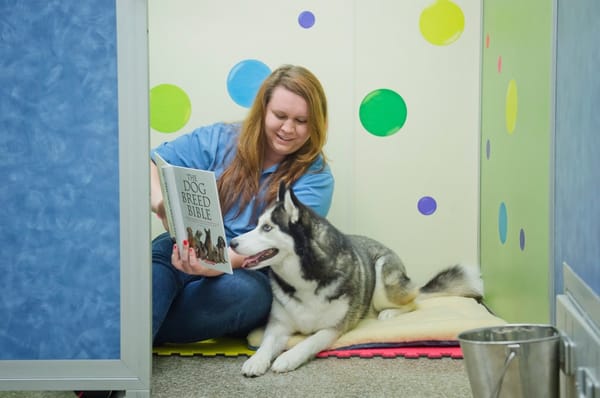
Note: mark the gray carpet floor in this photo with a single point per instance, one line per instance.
(197, 377)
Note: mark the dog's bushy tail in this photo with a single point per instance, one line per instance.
(457, 280)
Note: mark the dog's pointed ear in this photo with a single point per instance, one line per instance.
(281, 192)
(291, 205)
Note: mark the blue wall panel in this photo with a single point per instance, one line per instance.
(59, 224)
(577, 143)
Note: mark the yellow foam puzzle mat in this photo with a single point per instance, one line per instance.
(224, 346)
(436, 322)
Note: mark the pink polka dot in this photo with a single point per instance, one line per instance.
(487, 41)
(499, 63)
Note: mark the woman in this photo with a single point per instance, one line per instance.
(281, 139)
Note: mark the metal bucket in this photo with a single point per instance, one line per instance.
(512, 361)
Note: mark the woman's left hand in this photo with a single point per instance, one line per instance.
(189, 263)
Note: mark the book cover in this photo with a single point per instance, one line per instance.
(194, 213)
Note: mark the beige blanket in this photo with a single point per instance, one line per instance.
(436, 319)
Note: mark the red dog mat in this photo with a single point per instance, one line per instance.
(394, 352)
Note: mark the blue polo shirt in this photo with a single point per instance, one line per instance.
(213, 148)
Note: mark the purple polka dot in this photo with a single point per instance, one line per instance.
(522, 239)
(427, 205)
(487, 149)
(306, 19)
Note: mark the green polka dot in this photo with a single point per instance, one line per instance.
(170, 108)
(383, 112)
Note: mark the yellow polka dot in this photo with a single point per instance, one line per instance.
(511, 106)
(442, 23)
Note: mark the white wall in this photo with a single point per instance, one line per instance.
(354, 48)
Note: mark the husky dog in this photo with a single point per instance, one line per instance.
(324, 282)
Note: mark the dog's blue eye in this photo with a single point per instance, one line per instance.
(267, 227)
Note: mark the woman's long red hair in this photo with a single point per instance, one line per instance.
(240, 180)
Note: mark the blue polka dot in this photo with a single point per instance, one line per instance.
(245, 79)
(502, 222)
(427, 205)
(306, 19)
(522, 239)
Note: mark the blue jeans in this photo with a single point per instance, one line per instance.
(188, 308)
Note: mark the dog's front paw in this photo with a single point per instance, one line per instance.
(256, 365)
(287, 362)
(394, 312)
(386, 314)
(390, 313)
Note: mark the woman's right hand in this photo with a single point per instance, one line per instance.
(190, 264)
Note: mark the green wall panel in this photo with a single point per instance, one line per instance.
(515, 162)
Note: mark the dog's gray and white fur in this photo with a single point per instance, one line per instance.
(324, 282)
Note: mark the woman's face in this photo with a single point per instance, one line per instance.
(286, 125)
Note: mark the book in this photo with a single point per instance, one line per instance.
(194, 213)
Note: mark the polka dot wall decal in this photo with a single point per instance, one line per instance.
(244, 80)
(442, 23)
(487, 41)
(306, 19)
(427, 205)
(170, 108)
(488, 149)
(500, 64)
(502, 222)
(511, 106)
(522, 239)
(383, 112)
